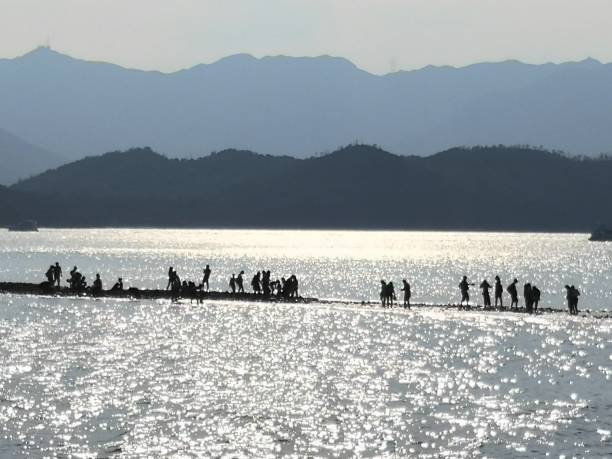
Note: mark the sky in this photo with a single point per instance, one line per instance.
(379, 36)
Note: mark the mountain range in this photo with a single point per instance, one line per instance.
(21, 159)
(359, 186)
(302, 106)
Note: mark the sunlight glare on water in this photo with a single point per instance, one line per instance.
(329, 264)
(87, 378)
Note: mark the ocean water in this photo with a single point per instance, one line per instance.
(106, 378)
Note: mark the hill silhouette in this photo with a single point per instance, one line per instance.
(20, 159)
(359, 186)
(300, 106)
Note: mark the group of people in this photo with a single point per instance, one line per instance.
(76, 281)
(531, 295)
(54, 275)
(261, 285)
(387, 293)
(572, 294)
(286, 288)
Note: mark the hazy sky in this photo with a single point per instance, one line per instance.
(378, 35)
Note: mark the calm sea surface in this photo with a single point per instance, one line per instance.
(101, 378)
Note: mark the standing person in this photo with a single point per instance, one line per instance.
(574, 294)
(256, 283)
(57, 273)
(383, 293)
(390, 294)
(240, 282)
(485, 286)
(499, 290)
(171, 274)
(407, 293)
(511, 289)
(265, 283)
(232, 283)
(50, 276)
(464, 287)
(97, 285)
(535, 292)
(569, 298)
(528, 296)
(206, 278)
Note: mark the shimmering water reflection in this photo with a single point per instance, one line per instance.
(98, 377)
(329, 264)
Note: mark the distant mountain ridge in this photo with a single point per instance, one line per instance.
(302, 106)
(20, 159)
(359, 186)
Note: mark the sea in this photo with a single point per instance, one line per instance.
(342, 378)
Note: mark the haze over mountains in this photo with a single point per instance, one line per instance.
(302, 106)
(20, 159)
(358, 186)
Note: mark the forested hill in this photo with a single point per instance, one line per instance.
(496, 188)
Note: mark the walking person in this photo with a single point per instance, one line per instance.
(232, 283)
(240, 282)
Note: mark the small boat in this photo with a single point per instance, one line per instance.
(26, 225)
(603, 233)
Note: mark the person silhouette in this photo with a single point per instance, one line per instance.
(240, 282)
(390, 294)
(118, 285)
(97, 285)
(50, 275)
(383, 293)
(256, 283)
(206, 278)
(574, 294)
(485, 286)
(535, 297)
(528, 297)
(232, 283)
(511, 289)
(171, 274)
(499, 290)
(464, 287)
(57, 273)
(407, 293)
